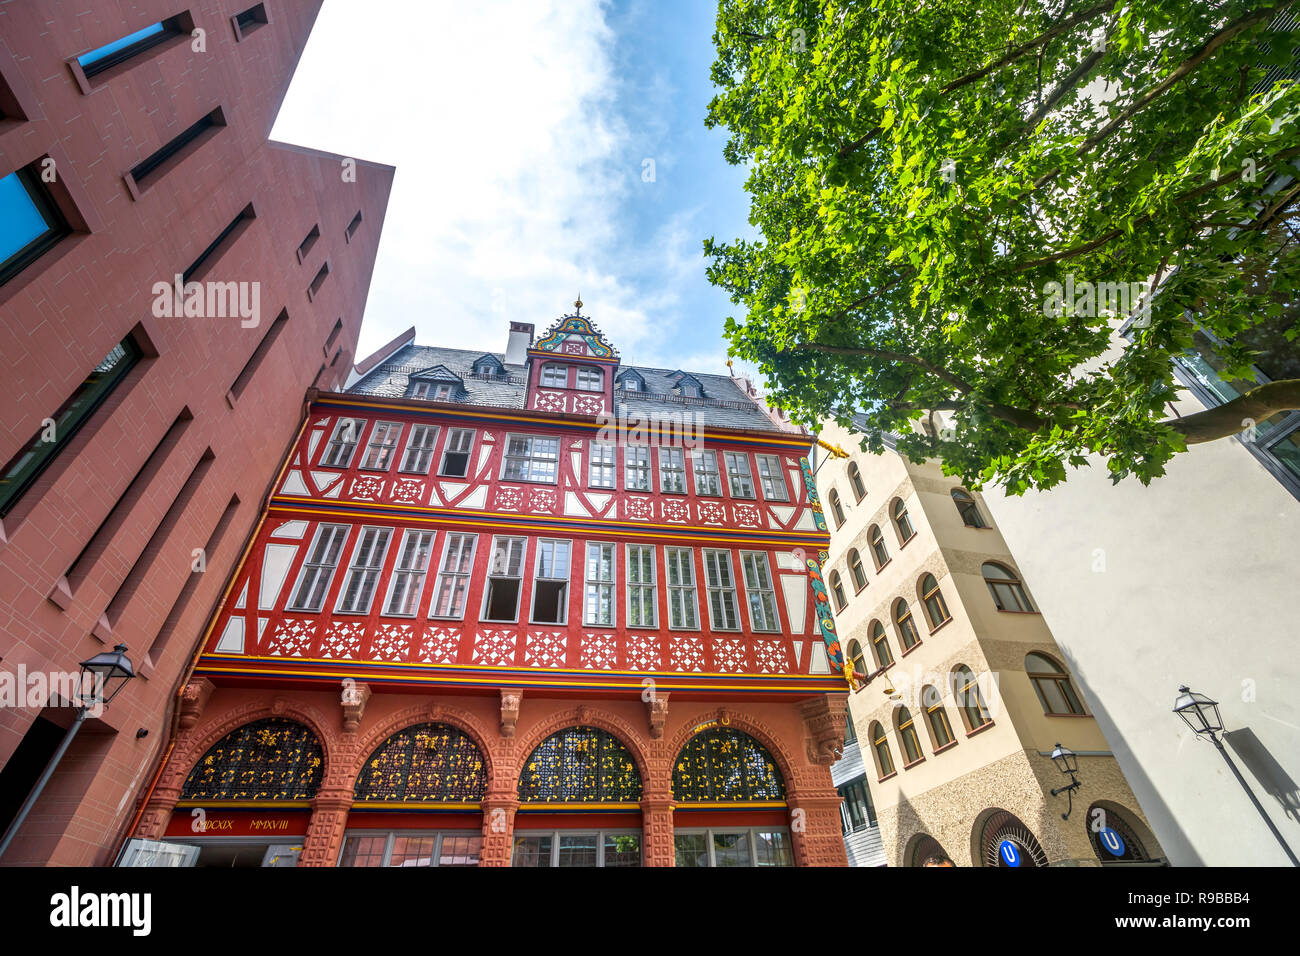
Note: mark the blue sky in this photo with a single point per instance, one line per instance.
(520, 130)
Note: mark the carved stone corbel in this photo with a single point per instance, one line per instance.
(823, 719)
(193, 699)
(354, 699)
(657, 713)
(511, 698)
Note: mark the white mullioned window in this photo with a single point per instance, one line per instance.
(318, 568)
(504, 579)
(453, 576)
(590, 379)
(383, 441)
(455, 454)
(551, 582)
(419, 449)
(759, 592)
(772, 478)
(683, 599)
(338, 454)
(672, 471)
(367, 561)
(642, 596)
(555, 376)
(599, 596)
(636, 464)
(705, 466)
(724, 614)
(531, 458)
(738, 474)
(602, 466)
(408, 575)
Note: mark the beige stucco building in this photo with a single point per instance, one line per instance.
(931, 603)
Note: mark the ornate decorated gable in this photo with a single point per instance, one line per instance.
(575, 335)
(572, 368)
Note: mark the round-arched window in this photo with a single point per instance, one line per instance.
(580, 765)
(269, 759)
(721, 764)
(423, 763)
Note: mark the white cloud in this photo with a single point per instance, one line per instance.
(512, 163)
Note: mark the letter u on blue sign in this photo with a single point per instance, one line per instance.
(1009, 853)
(1112, 841)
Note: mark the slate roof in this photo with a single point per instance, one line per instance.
(725, 404)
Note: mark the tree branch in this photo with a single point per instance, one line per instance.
(1242, 412)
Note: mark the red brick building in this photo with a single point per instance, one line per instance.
(531, 608)
(141, 428)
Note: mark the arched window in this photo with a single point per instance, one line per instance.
(423, 763)
(837, 589)
(925, 847)
(590, 379)
(1055, 692)
(880, 645)
(855, 481)
(1121, 844)
(856, 569)
(932, 598)
(1008, 594)
(966, 507)
(837, 509)
(722, 764)
(969, 700)
(880, 744)
(911, 744)
(907, 633)
(878, 550)
(580, 765)
(936, 717)
(1002, 827)
(857, 659)
(270, 759)
(555, 376)
(902, 522)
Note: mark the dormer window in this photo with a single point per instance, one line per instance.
(689, 390)
(630, 381)
(591, 379)
(554, 376)
(488, 367)
(420, 389)
(432, 391)
(631, 384)
(441, 393)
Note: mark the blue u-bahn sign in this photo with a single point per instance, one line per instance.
(1009, 853)
(1111, 841)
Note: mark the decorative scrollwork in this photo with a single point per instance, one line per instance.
(580, 765)
(269, 759)
(424, 763)
(722, 765)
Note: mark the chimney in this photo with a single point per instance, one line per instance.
(521, 337)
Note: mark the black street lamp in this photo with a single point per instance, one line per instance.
(102, 679)
(1068, 763)
(1202, 715)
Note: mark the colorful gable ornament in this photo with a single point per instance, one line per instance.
(810, 483)
(825, 619)
(575, 327)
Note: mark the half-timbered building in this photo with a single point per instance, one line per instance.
(531, 608)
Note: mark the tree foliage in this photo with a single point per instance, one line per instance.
(922, 171)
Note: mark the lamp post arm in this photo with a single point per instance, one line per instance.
(1255, 800)
(45, 778)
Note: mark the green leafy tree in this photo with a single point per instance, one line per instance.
(937, 184)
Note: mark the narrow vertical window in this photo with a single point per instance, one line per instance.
(641, 595)
(704, 464)
(343, 443)
(419, 449)
(32, 221)
(966, 507)
(602, 465)
(455, 456)
(37, 455)
(936, 609)
(683, 609)
(672, 471)
(318, 569)
(855, 481)
(408, 576)
(551, 582)
(936, 717)
(723, 613)
(880, 644)
(878, 550)
(907, 734)
(856, 569)
(880, 743)
(505, 576)
(600, 584)
(453, 577)
(145, 172)
(383, 441)
(907, 632)
(772, 478)
(902, 521)
(353, 226)
(308, 241)
(367, 562)
(636, 460)
(966, 693)
(759, 592)
(738, 474)
(837, 508)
